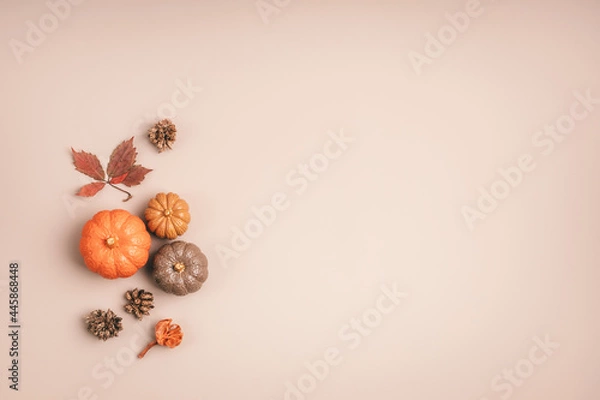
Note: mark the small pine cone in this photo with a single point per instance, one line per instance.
(140, 302)
(103, 324)
(163, 134)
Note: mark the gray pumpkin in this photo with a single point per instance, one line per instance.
(180, 268)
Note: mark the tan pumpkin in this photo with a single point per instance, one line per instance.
(167, 215)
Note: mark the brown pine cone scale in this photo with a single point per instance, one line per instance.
(140, 302)
(104, 324)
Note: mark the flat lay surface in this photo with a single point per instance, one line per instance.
(396, 200)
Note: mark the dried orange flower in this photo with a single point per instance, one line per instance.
(167, 334)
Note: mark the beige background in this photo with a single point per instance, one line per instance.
(387, 211)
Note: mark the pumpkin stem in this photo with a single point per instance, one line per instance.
(111, 242)
(179, 267)
(150, 345)
(122, 190)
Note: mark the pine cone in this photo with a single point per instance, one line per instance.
(104, 324)
(140, 302)
(163, 134)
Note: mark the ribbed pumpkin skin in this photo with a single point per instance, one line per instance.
(183, 282)
(168, 215)
(114, 244)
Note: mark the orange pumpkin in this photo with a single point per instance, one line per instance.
(168, 215)
(115, 244)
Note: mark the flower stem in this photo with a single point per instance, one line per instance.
(124, 191)
(150, 345)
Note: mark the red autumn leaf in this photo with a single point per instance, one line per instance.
(90, 189)
(121, 169)
(136, 175)
(88, 164)
(118, 179)
(121, 159)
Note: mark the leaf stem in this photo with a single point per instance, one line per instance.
(122, 190)
(150, 345)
